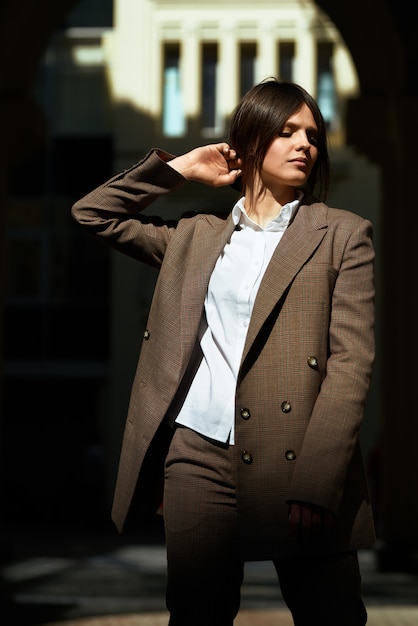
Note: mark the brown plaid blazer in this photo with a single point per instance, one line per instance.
(305, 370)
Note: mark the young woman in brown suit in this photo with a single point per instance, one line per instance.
(256, 360)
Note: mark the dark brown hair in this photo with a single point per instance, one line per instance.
(261, 116)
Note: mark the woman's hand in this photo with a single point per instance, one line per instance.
(309, 522)
(216, 165)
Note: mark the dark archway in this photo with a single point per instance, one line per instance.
(382, 123)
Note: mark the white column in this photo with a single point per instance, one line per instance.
(305, 67)
(190, 71)
(227, 88)
(267, 53)
(134, 52)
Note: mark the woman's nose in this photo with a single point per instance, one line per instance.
(303, 141)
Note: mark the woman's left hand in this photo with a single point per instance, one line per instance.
(309, 522)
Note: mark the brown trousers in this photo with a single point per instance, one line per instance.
(205, 571)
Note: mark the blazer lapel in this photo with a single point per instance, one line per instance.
(298, 243)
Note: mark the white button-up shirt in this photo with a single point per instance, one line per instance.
(209, 407)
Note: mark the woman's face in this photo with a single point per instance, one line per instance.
(292, 155)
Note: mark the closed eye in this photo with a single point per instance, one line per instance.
(312, 137)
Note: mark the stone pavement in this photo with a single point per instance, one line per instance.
(63, 578)
(388, 616)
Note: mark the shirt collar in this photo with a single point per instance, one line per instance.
(280, 222)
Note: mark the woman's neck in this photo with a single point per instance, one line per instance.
(264, 207)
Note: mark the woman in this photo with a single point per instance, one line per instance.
(256, 360)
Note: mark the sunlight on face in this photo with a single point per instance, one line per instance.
(292, 155)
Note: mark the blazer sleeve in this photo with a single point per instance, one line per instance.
(332, 436)
(112, 211)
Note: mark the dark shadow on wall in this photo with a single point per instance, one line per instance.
(54, 436)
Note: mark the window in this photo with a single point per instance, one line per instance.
(248, 57)
(209, 80)
(326, 93)
(286, 59)
(48, 284)
(174, 123)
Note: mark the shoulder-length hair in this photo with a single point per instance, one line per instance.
(261, 116)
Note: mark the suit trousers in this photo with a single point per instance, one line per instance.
(204, 568)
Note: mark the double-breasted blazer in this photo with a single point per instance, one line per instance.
(305, 369)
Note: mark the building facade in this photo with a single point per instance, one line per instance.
(118, 79)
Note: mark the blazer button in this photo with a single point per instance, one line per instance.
(313, 362)
(247, 457)
(147, 334)
(245, 414)
(290, 455)
(286, 407)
